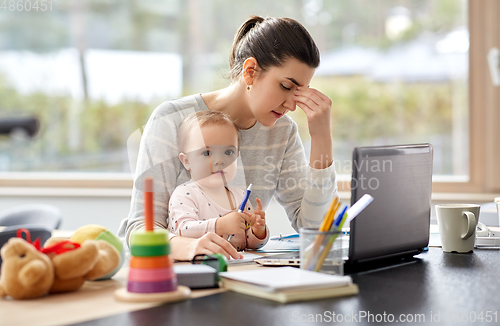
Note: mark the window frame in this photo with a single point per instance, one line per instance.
(484, 123)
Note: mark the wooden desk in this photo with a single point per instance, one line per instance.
(93, 300)
(435, 282)
(451, 286)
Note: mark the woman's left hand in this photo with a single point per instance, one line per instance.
(317, 107)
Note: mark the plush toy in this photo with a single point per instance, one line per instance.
(26, 272)
(76, 264)
(97, 232)
(61, 266)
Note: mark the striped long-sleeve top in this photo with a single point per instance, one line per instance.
(271, 158)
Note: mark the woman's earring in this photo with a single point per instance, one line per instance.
(248, 87)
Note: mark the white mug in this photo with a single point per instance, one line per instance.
(457, 226)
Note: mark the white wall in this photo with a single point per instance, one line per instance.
(79, 211)
(109, 211)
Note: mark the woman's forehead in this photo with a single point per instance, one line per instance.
(295, 71)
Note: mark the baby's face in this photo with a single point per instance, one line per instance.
(211, 156)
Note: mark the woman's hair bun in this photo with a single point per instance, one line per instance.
(271, 41)
(240, 34)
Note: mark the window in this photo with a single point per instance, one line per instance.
(397, 72)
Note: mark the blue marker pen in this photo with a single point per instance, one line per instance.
(336, 224)
(244, 202)
(242, 207)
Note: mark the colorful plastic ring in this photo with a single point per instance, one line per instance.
(150, 251)
(150, 262)
(149, 238)
(152, 287)
(150, 275)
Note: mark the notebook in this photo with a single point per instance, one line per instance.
(288, 284)
(248, 258)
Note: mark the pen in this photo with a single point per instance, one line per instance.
(358, 207)
(245, 199)
(339, 219)
(285, 237)
(242, 208)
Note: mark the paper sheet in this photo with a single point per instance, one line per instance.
(281, 246)
(248, 257)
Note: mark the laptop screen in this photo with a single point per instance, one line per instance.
(397, 221)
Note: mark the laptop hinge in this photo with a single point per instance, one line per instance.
(411, 253)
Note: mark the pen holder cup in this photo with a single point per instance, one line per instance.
(321, 251)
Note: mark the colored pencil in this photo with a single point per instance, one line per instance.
(331, 239)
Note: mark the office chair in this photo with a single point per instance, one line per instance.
(35, 231)
(39, 219)
(35, 214)
(41, 215)
(29, 125)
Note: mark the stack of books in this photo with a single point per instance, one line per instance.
(288, 284)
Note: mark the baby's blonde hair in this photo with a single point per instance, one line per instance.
(202, 119)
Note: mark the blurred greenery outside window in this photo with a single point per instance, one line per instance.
(93, 71)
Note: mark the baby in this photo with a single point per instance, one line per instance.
(208, 144)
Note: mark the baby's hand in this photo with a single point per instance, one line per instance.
(231, 223)
(259, 216)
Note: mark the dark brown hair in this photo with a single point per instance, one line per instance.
(201, 119)
(271, 41)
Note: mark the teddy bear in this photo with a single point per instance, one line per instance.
(61, 266)
(90, 261)
(26, 272)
